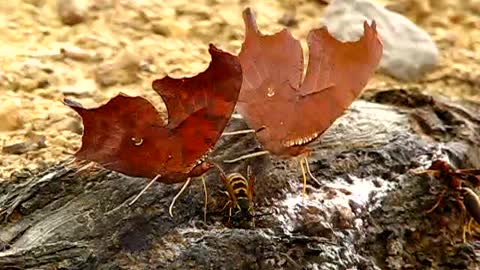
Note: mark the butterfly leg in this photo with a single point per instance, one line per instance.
(310, 172)
(247, 156)
(170, 209)
(144, 189)
(304, 179)
(441, 197)
(206, 199)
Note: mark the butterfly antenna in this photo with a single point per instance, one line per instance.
(310, 172)
(178, 195)
(304, 174)
(83, 168)
(220, 170)
(206, 199)
(144, 189)
(69, 161)
(247, 156)
(238, 132)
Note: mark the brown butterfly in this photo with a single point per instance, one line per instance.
(286, 113)
(128, 135)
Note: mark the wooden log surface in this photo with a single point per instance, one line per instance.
(367, 213)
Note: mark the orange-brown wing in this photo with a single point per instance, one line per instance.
(128, 135)
(272, 71)
(125, 135)
(291, 114)
(214, 89)
(220, 87)
(336, 74)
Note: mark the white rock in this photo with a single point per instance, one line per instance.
(408, 51)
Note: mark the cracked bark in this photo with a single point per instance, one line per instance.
(368, 213)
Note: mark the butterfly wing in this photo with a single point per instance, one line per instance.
(336, 74)
(291, 115)
(199, 107)
(216, 89)
(272, 71)
(128, 135)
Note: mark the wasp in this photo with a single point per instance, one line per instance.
(239, 190)
(461, 184)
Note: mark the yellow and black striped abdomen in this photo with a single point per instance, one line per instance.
(239, 185)
(240, 203)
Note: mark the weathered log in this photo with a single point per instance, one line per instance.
(369, 212)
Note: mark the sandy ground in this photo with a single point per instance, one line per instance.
(121, 46)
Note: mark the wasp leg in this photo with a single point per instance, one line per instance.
(227, 204)
(434, 173)
(460, 203)
(229, 214)
(442, 196)
(252, 209)
(467, 229)
(206, 199)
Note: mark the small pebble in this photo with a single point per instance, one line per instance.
(73, 125)
(79, 54)
(288, 19)
(123, 69)
(161, 28)
(10, 116)
(72, 12)
(83, 88)
(33, 142)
